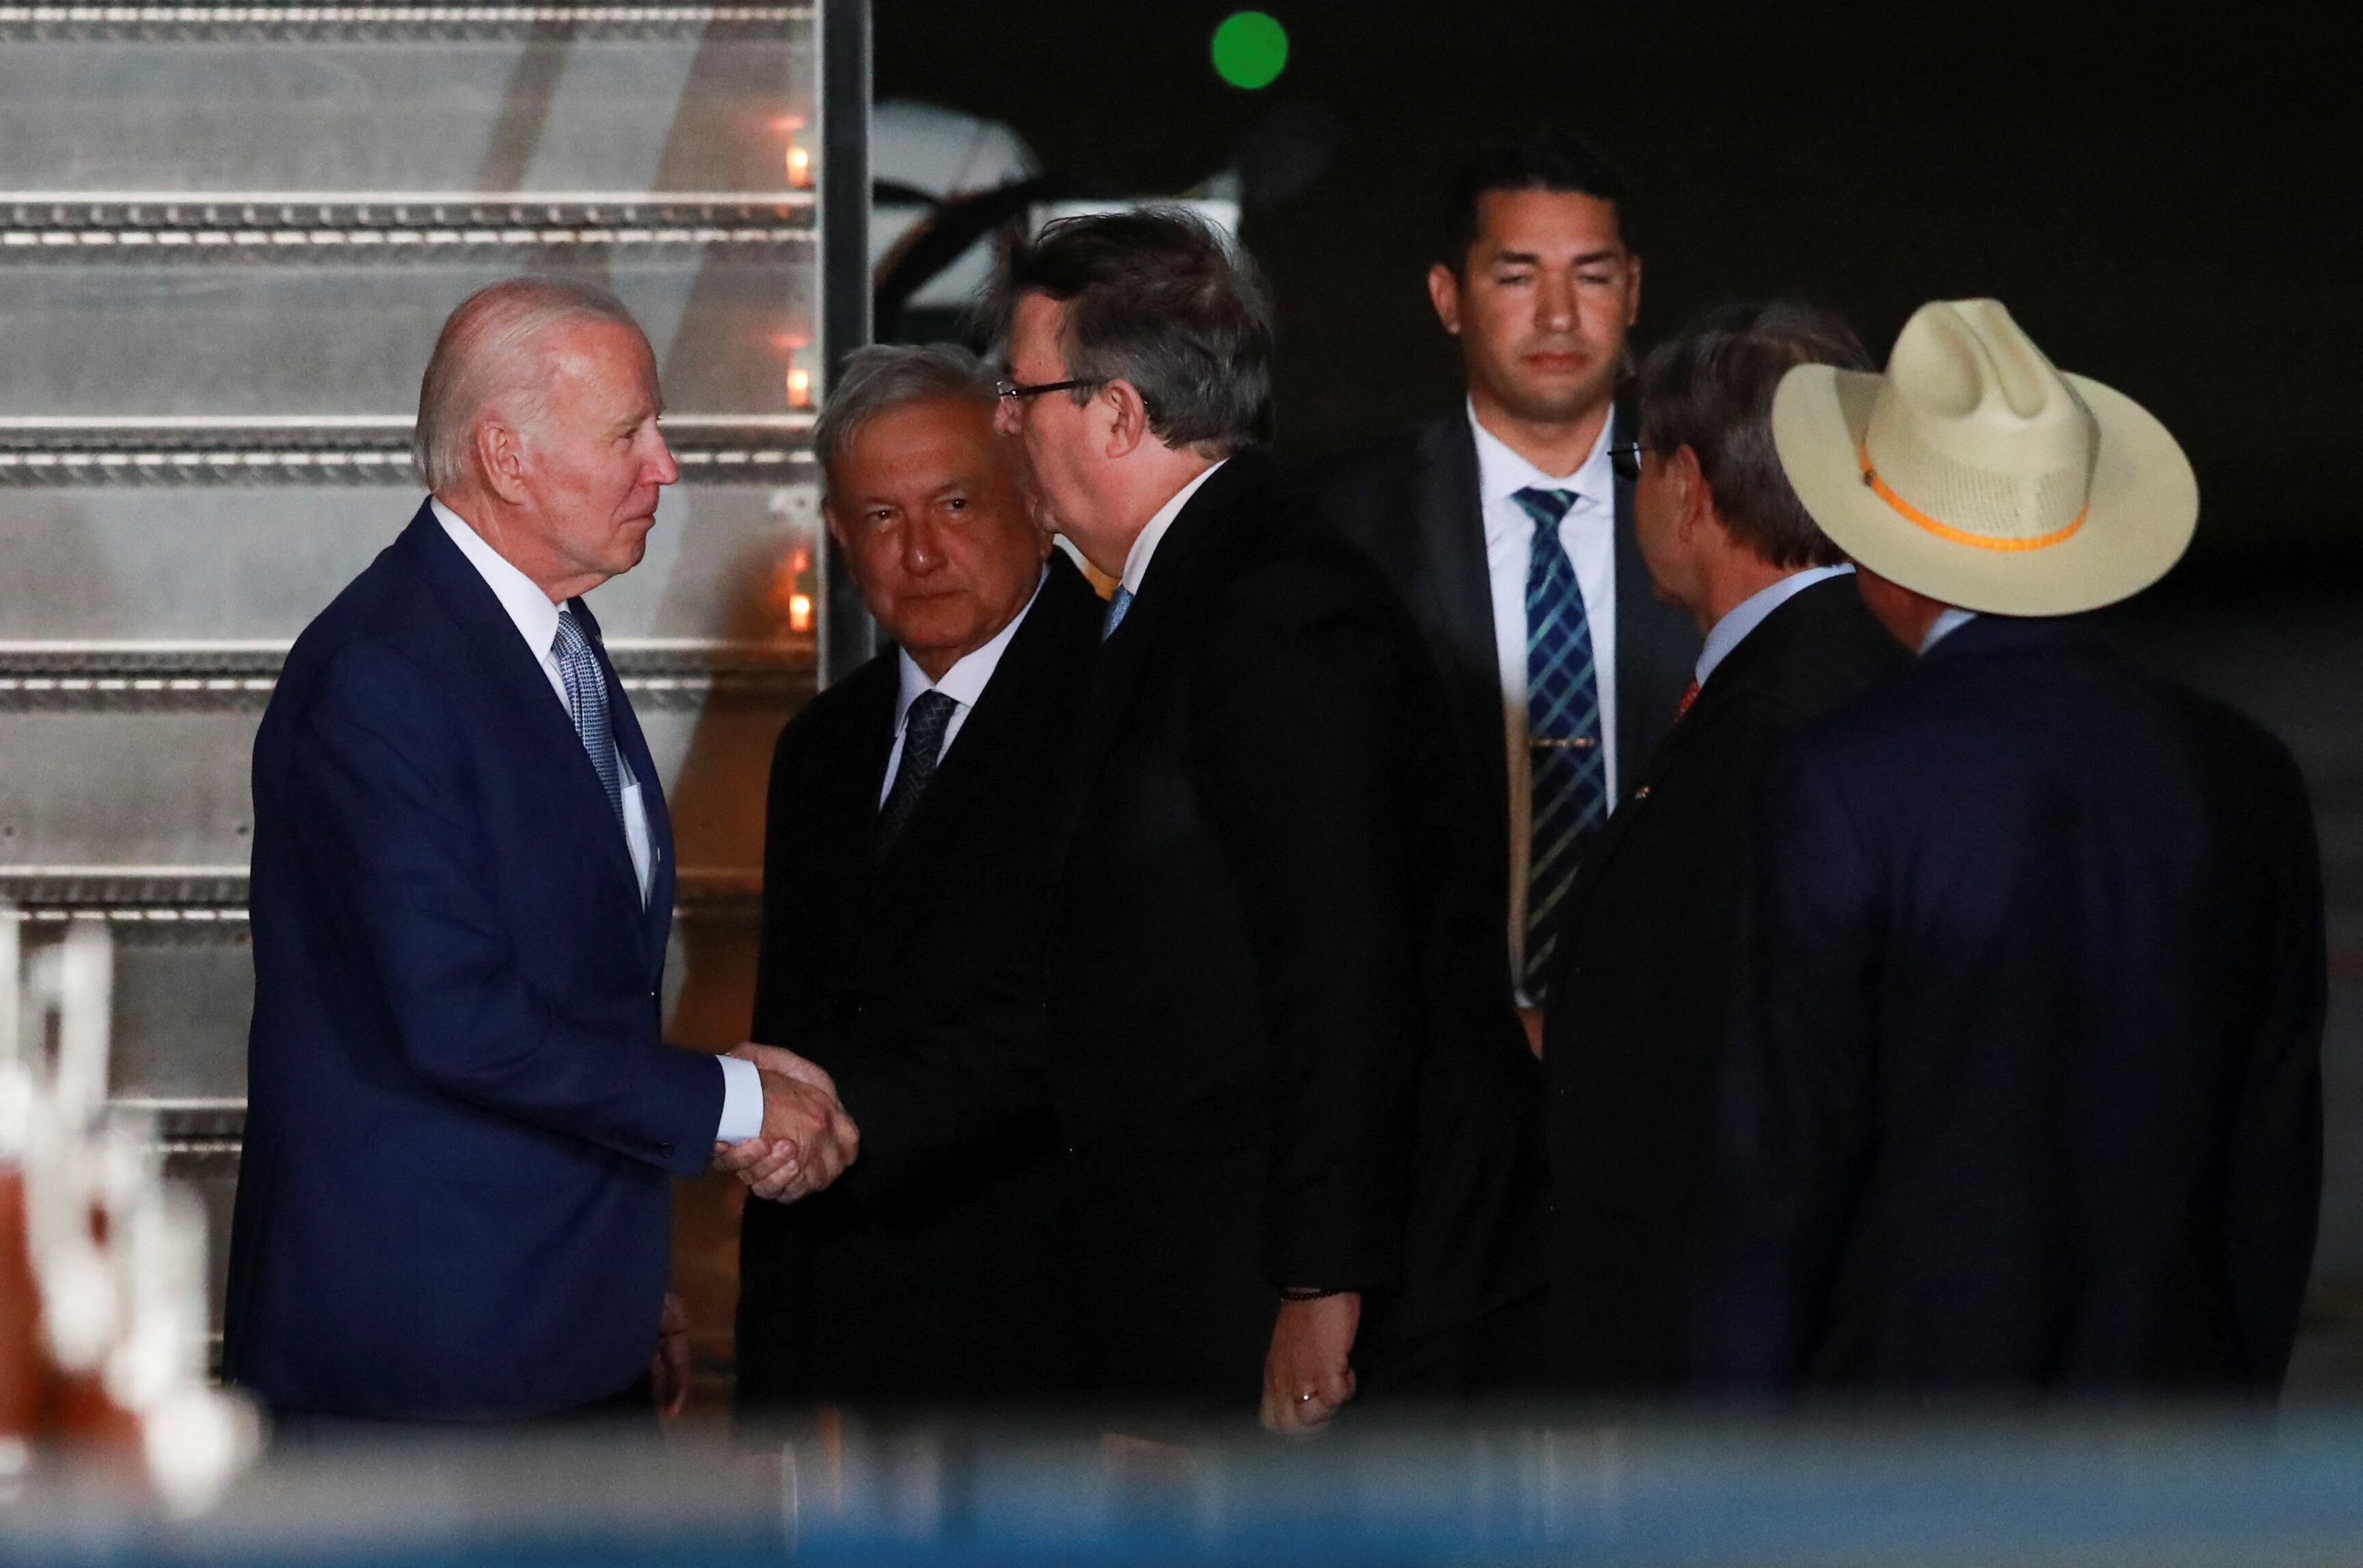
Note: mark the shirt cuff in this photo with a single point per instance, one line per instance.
(742, 1101)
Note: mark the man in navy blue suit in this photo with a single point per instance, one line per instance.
(2028, 1099)
(455, 1203)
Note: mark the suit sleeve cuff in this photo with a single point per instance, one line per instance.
(742, 1101)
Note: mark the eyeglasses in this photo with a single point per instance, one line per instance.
(1626, 461)
(1006, 387)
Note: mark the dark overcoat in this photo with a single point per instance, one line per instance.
(2026, 1096)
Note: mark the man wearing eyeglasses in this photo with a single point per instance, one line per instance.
(1300, 1120)
(1507, 525)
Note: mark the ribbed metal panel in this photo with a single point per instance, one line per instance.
(228, 235)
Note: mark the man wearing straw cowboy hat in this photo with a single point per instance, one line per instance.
(2027, 1094)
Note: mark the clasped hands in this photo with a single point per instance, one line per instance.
(807, 1139)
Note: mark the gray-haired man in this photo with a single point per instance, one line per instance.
(456, 1202)
(908, 859)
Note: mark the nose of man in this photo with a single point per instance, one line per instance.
(922, 550)
(661, 469)
(1555, 303)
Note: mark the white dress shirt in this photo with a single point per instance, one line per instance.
(1753, 611)
(964, 683)
(1136, 560)
(1588, 534)
(536, 619)
(1952, 620)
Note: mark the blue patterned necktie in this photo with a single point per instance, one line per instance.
(1118, 603)
(586, 699)
(1567, 770)
(922, 748)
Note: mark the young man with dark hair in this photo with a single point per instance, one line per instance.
(1507, 527)
(1650, 947)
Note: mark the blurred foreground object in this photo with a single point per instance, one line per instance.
(102, 1264)
(1570, 1486)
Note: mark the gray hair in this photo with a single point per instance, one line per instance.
(481, 362)
(887, 376)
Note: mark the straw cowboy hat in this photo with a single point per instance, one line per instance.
(1977, 474)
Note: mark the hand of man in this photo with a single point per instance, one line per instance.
(787, 1065)
(807, 1139)
(668, 1368)
(1308, 1373)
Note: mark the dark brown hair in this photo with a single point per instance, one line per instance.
(1155, 298)
(1543, 160)
(1709, 388)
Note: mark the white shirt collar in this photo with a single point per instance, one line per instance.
(1944, 625)
(966, 680)
(1503, 472)
(528, 606)
(1136, 564)
(1754, 610)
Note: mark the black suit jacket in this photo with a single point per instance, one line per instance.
(1411, 504)
(1278, 1042)
(933, 1280)
(1649, 954)
(2029, 1094)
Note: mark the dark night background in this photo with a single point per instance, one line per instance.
(2161, 195)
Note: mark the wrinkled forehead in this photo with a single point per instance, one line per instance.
(924, 444)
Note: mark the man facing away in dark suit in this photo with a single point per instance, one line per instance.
(1507, 527)
(463, 1123)
(2027, 1095)
(1295, 1107)
(909, 854)
(1650, 946)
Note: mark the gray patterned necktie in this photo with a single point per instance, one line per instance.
(922, 748)
(586, 700)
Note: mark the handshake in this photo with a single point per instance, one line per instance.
(807, 1139)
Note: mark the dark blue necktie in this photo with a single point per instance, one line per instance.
(586, 699)
(1567, 769)
(923, 747)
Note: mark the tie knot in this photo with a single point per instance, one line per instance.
(930, 712)
(1545, 506)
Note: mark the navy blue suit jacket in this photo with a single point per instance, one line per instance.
(2028, 1095)
(455, 1201)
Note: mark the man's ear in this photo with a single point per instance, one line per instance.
(1444, 292)
(829, 519)
(1128, 417)
(500, 457)
(1697, 496)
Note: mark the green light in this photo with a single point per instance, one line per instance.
(1250, 50)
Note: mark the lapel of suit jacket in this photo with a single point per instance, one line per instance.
(1192, 546)
(656, 915)
(544, 725)
(1456, 601)
(991, 728)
